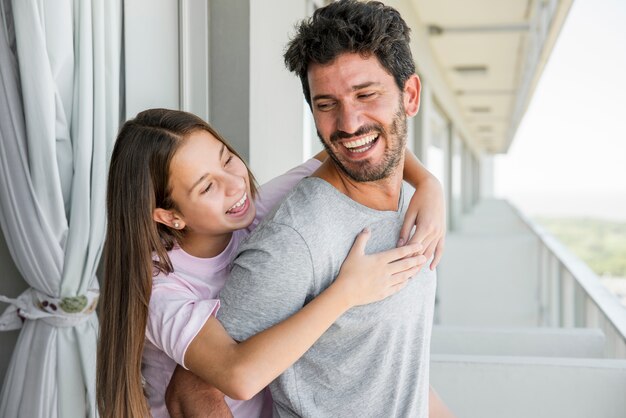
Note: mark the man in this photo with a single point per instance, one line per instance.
(358, 76)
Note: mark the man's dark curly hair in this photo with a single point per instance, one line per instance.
(350, 26)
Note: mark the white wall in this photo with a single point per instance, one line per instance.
(151, 55)
(276, 101)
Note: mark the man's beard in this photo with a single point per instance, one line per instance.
(364, 171)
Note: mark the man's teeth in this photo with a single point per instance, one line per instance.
(240, 203)
(360, 142)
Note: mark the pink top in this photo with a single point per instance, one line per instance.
(182, 301)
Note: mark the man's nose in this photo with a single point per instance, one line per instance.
(349, 118)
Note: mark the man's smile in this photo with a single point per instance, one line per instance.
(361, 144)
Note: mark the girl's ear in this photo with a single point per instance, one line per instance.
(167, 218)
(411, 95)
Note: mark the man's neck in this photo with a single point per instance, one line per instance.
(379, 195)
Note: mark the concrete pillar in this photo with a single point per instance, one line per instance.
(477, 179)
(195, 48)
(229, 69)
(467, 191)
(486, 177)
(449, 178)
(458, 176)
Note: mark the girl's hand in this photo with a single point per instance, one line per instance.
(369, 278)
(427, 212)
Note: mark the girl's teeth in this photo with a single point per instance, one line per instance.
(240, 203)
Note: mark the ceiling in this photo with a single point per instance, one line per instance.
(482, 48)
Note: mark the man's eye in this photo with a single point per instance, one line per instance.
(325, 106)
(366, 95)
(207, 189)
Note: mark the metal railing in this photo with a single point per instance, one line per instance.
(571, 294)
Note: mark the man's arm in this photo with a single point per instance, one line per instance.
(188, 396)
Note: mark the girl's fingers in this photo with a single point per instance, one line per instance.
(398, 287)
(405, 231)
(406, 264)
(393, 289)
(404, 276)
(438, 254)
(361, 241)
(400, 252)
(430, 249)
(423, 234)
(424, 237)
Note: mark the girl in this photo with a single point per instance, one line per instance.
(179, 202)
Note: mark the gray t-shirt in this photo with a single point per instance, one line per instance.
(373, 361)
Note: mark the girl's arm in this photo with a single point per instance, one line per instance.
(426, 211)
(242, 370)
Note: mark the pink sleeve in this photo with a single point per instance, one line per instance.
(175, 317)
(272, 192)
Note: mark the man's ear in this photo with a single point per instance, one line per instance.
(168, 218)
(411, 97)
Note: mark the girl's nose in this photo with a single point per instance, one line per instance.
(234, 184)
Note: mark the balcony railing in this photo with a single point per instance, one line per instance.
(525, 328)
(571, 294)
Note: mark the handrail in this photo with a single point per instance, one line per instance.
(607, 303)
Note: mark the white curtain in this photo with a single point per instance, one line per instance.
(54, 147)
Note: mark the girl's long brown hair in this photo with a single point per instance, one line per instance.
(136, 249)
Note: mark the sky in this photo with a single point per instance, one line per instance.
(568, 158)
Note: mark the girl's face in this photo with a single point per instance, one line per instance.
(210, 187)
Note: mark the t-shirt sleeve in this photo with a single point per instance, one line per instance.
(270, 280)
(175, 316)
(272, 192)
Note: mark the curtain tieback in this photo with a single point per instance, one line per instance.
(59, 312)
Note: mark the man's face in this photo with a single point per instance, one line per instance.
(359, 114)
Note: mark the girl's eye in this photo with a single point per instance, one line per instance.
(229, 160)
(207, 189)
